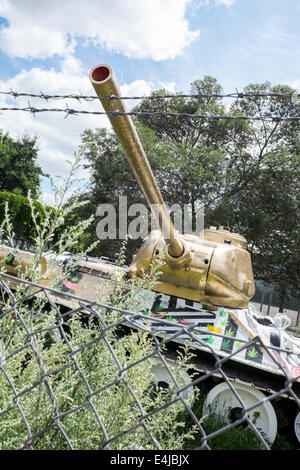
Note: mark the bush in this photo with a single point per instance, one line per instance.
(57, 393)
(69, 380)
(19, 208)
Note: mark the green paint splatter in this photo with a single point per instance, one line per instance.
(10, 259)
(159, 308)
(226, 344)
(210, 340)
(169, 318)
(229, 332)
(222, 313)
(252, 353)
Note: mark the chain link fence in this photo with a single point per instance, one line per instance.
(96, 376)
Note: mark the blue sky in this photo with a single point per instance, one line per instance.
(51, 46)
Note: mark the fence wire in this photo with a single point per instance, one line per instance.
(237, 95)
(71, 111)
(293, 98)
(83, 377)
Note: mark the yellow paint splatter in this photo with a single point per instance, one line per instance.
(159, 314)
(214, 329)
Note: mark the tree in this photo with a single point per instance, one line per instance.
(186, 129)
(110, 177)
(185, 175)
(245, 172)
(170, 153)
(264, 202)
(266, 211)
(252, 184)
(19, 171)
(20, 216)
(191, 150)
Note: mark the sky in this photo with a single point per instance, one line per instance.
(50, 46)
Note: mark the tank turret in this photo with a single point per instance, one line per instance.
(213, 268)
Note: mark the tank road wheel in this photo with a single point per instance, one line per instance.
(297, 426)
(224, 403)
(165, 381)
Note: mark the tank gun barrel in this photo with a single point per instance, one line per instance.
(105, 85)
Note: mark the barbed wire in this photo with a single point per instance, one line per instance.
(78, 97)
(70, 111)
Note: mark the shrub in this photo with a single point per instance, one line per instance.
(74, 380)
(20, 214)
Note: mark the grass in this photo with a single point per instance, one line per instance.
(236, 438)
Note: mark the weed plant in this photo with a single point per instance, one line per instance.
(68, 383)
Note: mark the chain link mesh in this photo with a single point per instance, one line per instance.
(82, 377)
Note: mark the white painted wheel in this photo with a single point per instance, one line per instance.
(297, 426)
(224, 403)
(164, 378)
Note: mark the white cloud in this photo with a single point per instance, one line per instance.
(58, 138)
(38, 43)
(48, 198)
(227, 3)
(40, 29)
(208, 3)
(154, 29)
(295, 84)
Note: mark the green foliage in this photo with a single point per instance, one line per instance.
(60, 384)
(236, 438)
(19, 208)
(110, 177)
(19, 172)
(51, 383)
(267, 212)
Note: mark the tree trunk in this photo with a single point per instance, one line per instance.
(193, 214)
(281, 305)
(282, 298)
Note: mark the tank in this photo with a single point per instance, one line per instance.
(206, 285)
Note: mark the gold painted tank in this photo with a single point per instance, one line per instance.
(213, 268)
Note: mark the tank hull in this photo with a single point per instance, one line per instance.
(224, 331)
